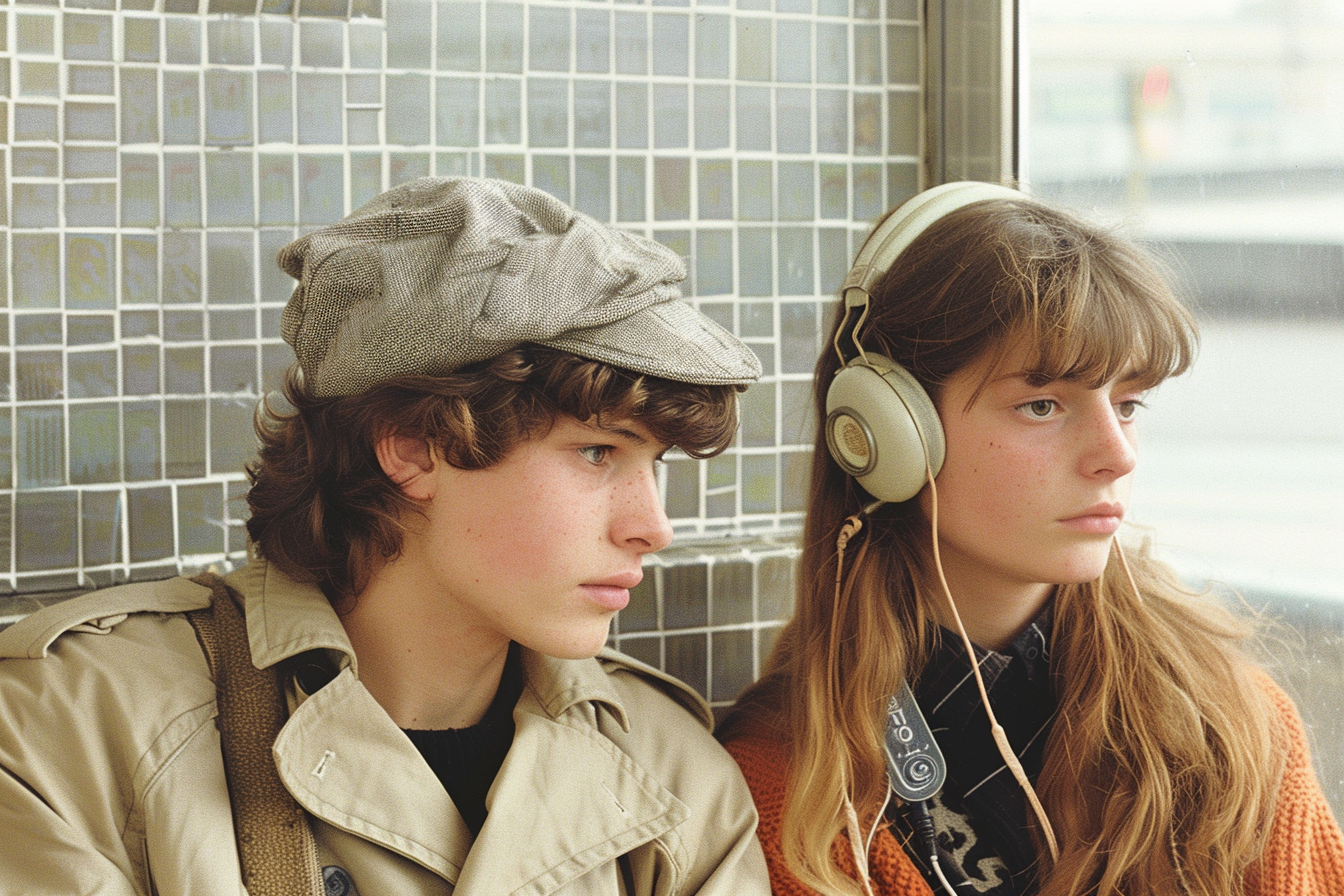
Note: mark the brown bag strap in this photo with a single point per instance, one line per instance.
(275, 845)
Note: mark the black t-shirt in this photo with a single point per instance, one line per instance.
(466, 760)
(981, 814)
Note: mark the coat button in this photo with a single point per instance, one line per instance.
(337, 881)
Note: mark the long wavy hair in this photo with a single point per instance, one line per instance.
(1160, 770)
(324, 511)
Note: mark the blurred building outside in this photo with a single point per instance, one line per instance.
(1215, 131)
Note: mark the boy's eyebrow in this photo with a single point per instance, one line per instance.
(616, 431)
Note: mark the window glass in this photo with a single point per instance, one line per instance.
(1214, 130)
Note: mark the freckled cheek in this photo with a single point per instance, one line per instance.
(1005, 482)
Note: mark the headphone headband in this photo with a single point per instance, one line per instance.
(881, 427)
(900, 229)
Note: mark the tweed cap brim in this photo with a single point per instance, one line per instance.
(440, 273)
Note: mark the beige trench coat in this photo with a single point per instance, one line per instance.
(111, 780)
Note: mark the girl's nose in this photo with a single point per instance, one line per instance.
(1111, 451)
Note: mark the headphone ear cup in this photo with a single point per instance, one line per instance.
(879, 424)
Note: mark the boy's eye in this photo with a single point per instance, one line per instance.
(1041, 408)
(595, 454)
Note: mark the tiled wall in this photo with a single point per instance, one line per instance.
(157, 153)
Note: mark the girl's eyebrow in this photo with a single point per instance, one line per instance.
(1031, 378)
(1128, 375)
(1037, 378)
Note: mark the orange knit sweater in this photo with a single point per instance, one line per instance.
(1305, 856)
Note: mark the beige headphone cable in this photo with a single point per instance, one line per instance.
(858, 848)
(1129, 574)
(1000, 737)
(852, 526)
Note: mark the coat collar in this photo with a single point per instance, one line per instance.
(568, 791)
(559, 685)
(286, 618)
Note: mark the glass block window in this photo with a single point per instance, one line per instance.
(159, 154)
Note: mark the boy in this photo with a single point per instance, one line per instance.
(443, 523)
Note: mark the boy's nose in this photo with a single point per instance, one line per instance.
(640, 521)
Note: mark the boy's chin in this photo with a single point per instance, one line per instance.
(581, 646)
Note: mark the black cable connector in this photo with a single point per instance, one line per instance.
(922, 822)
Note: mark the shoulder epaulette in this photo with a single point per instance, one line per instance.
(98, 612)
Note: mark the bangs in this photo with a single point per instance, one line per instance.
(1105, 312)
(700, 420)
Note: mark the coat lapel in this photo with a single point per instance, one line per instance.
(565, 802)
(346, 762)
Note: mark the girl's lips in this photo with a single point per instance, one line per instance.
(1094, 524)
(1099, 519)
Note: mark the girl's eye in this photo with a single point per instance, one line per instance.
(595, 454)
(1040, 409)
(1127, 409)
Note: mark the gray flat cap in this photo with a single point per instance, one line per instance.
(439, 273)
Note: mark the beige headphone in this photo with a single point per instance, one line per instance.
(881, 425)
(883, 429)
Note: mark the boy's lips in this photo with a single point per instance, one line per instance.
(613, 592)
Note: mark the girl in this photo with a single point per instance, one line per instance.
(1110, 737)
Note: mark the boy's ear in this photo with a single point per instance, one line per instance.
(407, 461)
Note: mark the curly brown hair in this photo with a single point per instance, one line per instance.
(324, 511)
